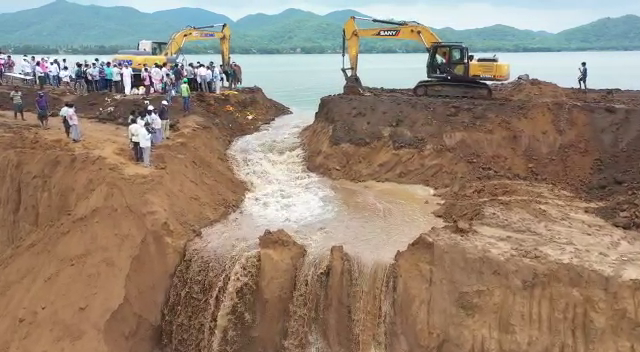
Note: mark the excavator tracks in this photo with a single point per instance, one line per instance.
(443, 89)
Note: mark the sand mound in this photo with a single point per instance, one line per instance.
(89, 241)
(589, 148)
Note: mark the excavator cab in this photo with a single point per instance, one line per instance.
(449, 73)
(446, 60)
(151, 47)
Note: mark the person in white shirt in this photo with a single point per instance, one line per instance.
(202, 78)
(134, 139)
(63, 113)
(127, 77)
(155, 123)
(144, 137)
(65, 77)
(25, 68)
(54, 73)
(40, 76)
(117, 78)
(216, 79)
(156, 77)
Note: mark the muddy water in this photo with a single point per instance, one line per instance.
(227, 294)
(367, 218)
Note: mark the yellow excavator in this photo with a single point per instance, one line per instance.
(451, 70)
(151, 52)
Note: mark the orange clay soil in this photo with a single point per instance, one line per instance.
(535, 131)
(88, 240)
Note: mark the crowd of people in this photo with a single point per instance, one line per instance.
(147, 128)
(86, 77)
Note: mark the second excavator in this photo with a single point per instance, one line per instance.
(152, 52)
(451, 70)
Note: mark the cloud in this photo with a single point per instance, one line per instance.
(549, 15)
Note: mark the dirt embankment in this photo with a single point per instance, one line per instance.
(89, 241)
(533, 131)
(443, 293)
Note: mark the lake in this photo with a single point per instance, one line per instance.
(299, 81)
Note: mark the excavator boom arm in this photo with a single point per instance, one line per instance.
(400, 30)
(189, 34)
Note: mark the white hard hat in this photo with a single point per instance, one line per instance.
(164, 102)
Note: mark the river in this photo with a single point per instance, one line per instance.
(300, 80)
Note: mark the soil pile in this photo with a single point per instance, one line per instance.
(89, 241)
(533, 131)
(445, 292)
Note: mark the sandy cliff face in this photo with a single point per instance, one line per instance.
(89, 242)
(445, 292)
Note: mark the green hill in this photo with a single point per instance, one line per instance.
(78, 28)
(193, 16)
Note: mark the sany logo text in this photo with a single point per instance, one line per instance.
(388, 33)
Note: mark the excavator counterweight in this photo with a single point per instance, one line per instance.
(451, 70)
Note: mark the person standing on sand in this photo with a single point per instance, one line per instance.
(108, 77)
(117, 79)
(16, 98)
(65, 77)
(42, 107)
(134, 137)
(74, 127)
(127, 76)
(63, 113)
(583, 75)
(216, 79)
(237, 75)
(144, 136)
(146, 80)
(40, 75)
(163, 114)
(185, 92)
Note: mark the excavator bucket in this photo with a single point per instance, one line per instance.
(353, 86)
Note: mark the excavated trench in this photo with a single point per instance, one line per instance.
(532, 256)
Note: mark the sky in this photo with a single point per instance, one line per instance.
(548, 15)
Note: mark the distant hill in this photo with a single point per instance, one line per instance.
(78, 28)
(193, 16)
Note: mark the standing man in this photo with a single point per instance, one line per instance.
(127, 77)
(108, 77)
(216, 79)
(42, 107)
(117, 78)
(134, 139)
(16, 98)
(65, 123)
(164, 118)
(185, 92)
(583, 75)
(54, 73)
(40, 77)
(9, 65)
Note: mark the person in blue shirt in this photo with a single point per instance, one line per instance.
(108, 76)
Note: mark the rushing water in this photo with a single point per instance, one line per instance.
(367, 218)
